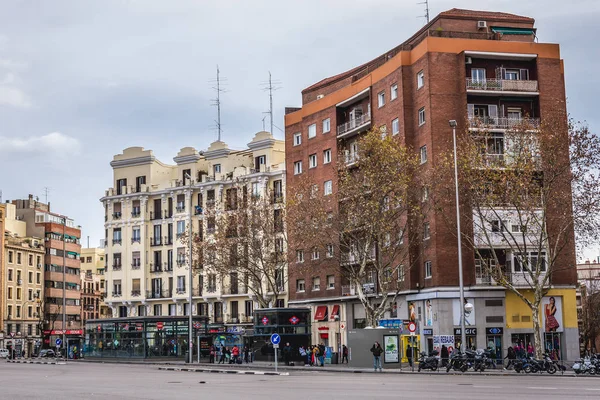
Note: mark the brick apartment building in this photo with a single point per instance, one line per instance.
(464, 65)
(58, 232)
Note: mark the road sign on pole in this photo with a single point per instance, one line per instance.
(275, 340)
(58, 342)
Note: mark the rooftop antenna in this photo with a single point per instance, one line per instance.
(271, 86)
(217, 101)
(46, 193)
(426, 16)
(263, 120)
(1, 190)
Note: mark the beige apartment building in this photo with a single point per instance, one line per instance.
(147, 213)
(22, 285)
(93, 284)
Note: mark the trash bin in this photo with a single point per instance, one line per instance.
(335, 358)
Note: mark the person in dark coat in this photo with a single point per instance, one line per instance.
(444, 354)
(377, 350)
(409, 354)
(287, 353)
(344, 354)
(511, 355)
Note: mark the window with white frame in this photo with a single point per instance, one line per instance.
(180, 228)
(256, 189)
(312, 131)
(426, 231)
(297, 138)
(312, 161)
(217, 168)
(314, 190)
(423, 152)
(316, 283)
(329, 251)
(401, 273)
(330, 282)
(326, 156)
(421, 116)
(383, 131)
(300, 286)
(401, 236)
(427, 269)
(327, 188)
(326, 125)
(315, 254)
(420, 79)
(395, 126)
(297, 167)
(529, 261)
(381, 99)
(299, 256)
(394, 92)
(499, 226)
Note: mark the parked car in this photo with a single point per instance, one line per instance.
(47, 353)
(4, 353)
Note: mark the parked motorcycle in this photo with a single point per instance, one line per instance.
(431, 362)
(584, 366)
(457, 362)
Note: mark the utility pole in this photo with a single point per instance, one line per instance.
(64, 297)
(217, 102)
(270, 86)
(426, 16)
(191, 277)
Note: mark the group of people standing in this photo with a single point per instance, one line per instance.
(315, 355)
(224, 355)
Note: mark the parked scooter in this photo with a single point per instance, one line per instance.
(585, 366)
(430, 362)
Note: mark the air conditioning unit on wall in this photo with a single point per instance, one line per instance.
(468, 60)
(481, 24)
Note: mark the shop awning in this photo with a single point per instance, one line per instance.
(335, 312)
(321, 313)
(512, 31)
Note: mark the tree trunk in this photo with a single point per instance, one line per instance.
(537, 334)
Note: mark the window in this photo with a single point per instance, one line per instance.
(421, 116)
(423, 152)
(478, 74)
(30, 277)
(326, 125)
(299, 256)
(395, 126)
(135, 234)
(217, 168)
(519, 228)
(300, 286)
(297, 167)
(326, 156)
(312, 131)
(426, 231)
(401, 273)
(315, 254)
(297, 138)
(381, 99)
(38, 278)
(425, 194)
(499, 226)
(420, 79)
(327, 188)
(180, 228)
(427, 269)
(316, 283)
(19, 258)
(181, 284)
(256, 189)
(157, 310)
(9, 294)
(533, 260)
(383, 131)
(10, 275)
(329, 251)
(10, 257)
(117, 287)
(312, 161)
(30, 259)
(394, 92)
(330, 282)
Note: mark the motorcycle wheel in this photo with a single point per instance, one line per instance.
(527, 369)
(592, 371)
(551, 369)
(464, 368)
(448, 367)
(434, 367)
(577, 372)
(482, 368)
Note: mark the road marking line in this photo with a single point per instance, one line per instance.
(592, 389)
(488, 387)
(541, 388)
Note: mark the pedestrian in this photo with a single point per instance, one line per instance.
(287, 353)
(302, 352)
(530, 350)
(344, 354)
(444, 355)
(211, 359)
(223, 355)
(315, 355)
(246, 354)
(409, 355)
(235, 353)
(377, 350)
(511, 356)
(322, 355)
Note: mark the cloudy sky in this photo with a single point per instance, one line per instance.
(81, 80)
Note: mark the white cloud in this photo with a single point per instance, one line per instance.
(11, 96)
(55, 142)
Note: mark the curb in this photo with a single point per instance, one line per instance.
(32, 362)
(223, 371)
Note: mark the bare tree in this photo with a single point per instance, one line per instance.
(245, 246)
(365, 226)
(590, 314)
(527, 191)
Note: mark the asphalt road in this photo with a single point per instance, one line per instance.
(126, 381)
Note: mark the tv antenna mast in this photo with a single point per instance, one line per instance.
(426, 16)
(271, 86)
(219, 82)
(46, 193)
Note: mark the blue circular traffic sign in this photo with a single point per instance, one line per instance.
(58, 342)
(275, 338)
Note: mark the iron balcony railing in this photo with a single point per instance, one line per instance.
(502, 85)
(353, 124)
(503, 122)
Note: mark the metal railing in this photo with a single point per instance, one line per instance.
(353, 124)
(503, 122)
(502, 85)
(157, 294)
(136, 265)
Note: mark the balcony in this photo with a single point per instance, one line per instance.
(135, 293)
(155, 241)
(180, 262)
(158, 294)
(180, 208)
(490, 86)
(501, 123)
(155, 269)
(135, 213)
(197, 292)
(116, 294)
(180, 290)
(168, 240)
(155, 215)
(116, 267)
(353, 126)
(277, 198)
(135, 264)
(117, 215)
(116, 241)
(350, 158)
(136, 240)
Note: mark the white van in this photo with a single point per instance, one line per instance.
(3, 353)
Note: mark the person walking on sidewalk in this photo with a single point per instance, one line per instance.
(235, 353)
(223, 355)
(377, 350)
(409, 354)
(322, 355)
(511, 355)
(212, 355)
(287, 353)
(246, 354)
(344, 354)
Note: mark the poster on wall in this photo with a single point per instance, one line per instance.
(469, 316)
(552, 314)
(428, 313)
(412, 311)
(391, 354)
(443, 340)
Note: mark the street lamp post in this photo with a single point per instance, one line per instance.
(463, 336)
(64, 300)
(190, 284)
